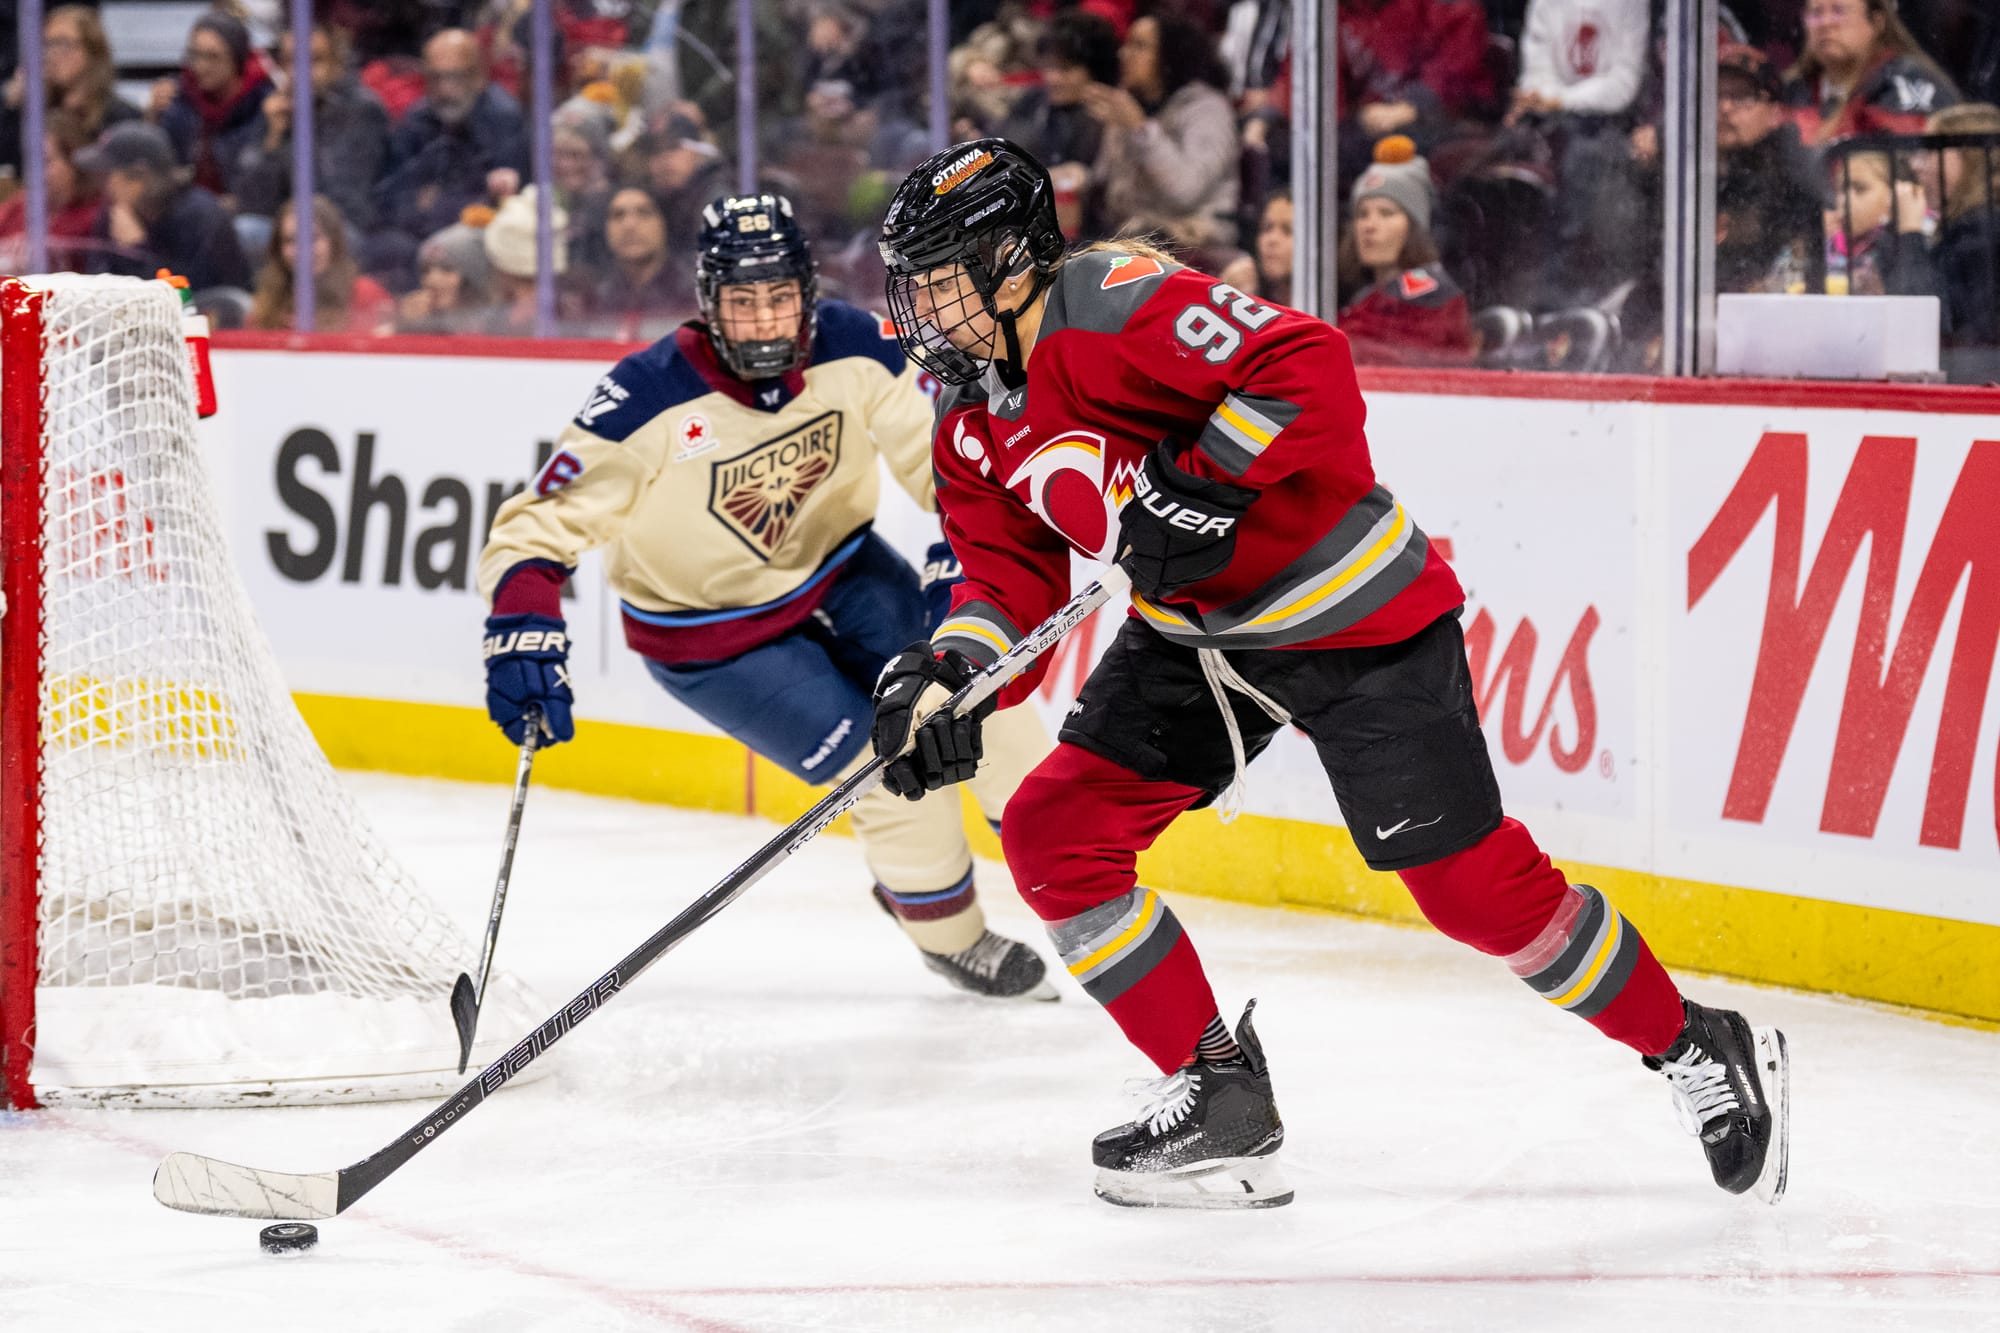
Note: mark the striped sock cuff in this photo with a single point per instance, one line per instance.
(1113, 946)
(1583, 957)
(931, 906)
(1216, 1044)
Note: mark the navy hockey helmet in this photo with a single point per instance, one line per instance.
(754, 239)
(988, 208)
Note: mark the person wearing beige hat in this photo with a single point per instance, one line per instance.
(1407, 311)
(511, 250)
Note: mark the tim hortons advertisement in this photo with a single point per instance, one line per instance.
(1827, 714)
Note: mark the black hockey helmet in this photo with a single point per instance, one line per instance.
(755, 238)
(988, 207)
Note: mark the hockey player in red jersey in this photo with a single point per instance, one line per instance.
(1116, 404)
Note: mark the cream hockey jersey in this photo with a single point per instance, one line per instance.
(725, 509)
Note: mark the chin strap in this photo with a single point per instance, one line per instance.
(1005, 320)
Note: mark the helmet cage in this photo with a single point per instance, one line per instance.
(927, 231)
(770, 249)
(927, 339)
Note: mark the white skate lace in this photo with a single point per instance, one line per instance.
(1221, 678)
(1701, 1088)
(1167, 1100)
(984, 955)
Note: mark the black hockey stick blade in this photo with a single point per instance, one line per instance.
(464, 1016)
(465, 996)
(193, 1183)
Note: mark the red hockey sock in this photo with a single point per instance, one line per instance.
(1072, 833)
(1502, 897)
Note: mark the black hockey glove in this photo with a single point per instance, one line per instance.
(945, 749)
(527, 666)
(1177, 529)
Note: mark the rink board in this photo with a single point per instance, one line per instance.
(1734, 643)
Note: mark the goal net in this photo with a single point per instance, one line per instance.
(192, 910)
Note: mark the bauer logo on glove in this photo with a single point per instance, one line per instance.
(527, 668)
(1178, 528)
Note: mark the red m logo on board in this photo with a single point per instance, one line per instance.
(1882, 679)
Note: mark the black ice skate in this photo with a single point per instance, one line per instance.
(997, 967)
(1732, 1087)
(1209, 1138)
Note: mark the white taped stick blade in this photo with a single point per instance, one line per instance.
(196, 1184)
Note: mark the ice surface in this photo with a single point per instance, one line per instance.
(790, 1124)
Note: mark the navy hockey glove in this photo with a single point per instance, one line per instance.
(527, 666)
(945, 749)
(1177, 529)
(942, 573)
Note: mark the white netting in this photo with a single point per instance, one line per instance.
(194, 838)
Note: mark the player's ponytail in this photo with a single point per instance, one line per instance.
(1149, 245)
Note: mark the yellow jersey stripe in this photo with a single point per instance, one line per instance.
(1125, 937)
(1256, 433)
(1347, 576)
(951, 627)
(1604, 956)
(1160, 614)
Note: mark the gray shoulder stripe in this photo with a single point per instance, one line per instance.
(1081, 299)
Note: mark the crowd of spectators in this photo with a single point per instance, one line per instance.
(1499, 161)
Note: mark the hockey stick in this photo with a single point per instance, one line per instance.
(465, 996)
(196, 1184)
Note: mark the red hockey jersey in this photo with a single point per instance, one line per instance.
(1131, 351)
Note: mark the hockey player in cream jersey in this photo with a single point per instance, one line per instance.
(729, 472)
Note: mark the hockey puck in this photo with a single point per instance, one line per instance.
(288, 1238)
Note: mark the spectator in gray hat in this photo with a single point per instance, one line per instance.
(154, 218)
(1407, 311)
(454, 288)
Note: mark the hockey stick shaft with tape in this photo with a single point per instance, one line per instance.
(466, 994)
(196, 1184)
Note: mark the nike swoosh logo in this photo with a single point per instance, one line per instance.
(1384, 834)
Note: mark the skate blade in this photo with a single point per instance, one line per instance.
(1774, 1072)
(1227, 1182)
(1040, 992)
